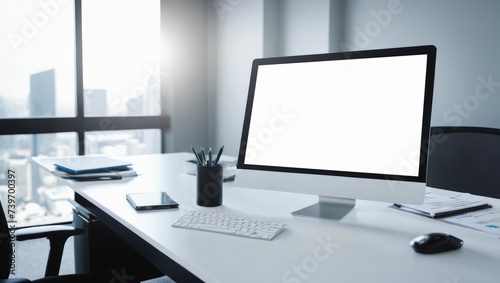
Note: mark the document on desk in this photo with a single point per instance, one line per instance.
(487, 220)
(436, 205)
(97, 176)
(87, 168)
(90, 164)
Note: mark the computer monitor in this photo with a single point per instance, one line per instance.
(343, 126)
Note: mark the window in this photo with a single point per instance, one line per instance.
(128, 142)
(77, 78)
(37, 59)
(121, 47)
(38, 197)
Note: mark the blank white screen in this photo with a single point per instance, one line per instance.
(359, 115)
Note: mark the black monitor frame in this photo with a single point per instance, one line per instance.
(428, 50)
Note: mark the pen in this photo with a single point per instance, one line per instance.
(196, 154)
(218, 155)
(93, 177)
(203, 157)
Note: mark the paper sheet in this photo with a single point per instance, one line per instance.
(487, 220)
(439, 205)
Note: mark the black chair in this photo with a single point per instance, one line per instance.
(465, 159)
(57, 235)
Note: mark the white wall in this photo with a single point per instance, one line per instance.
(290, 27)
(465, 33)
(184, 72)
(303, 27)
(236, 32)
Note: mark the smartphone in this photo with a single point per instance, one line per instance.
(151, 200)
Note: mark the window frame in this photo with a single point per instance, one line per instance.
(81, 124)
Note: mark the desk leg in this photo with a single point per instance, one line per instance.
(99, 250)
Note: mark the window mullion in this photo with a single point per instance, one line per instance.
(79, 77)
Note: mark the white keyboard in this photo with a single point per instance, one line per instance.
(229, 224)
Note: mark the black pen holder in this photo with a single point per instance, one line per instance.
(209, 185)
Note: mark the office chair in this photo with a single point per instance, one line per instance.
(57, 235)
(465, 159)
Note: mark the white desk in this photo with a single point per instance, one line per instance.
(371, 244)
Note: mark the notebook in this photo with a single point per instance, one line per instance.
(90, 164)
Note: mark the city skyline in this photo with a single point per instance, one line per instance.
(121, 56)
(121, 77)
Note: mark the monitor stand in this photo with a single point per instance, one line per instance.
(328, 208)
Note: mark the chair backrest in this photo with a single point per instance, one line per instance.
(5, 246)
(465, 159)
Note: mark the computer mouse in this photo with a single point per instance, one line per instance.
(435, 243)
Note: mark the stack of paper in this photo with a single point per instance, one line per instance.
(92, 168)
(487, 220)
(438, 205)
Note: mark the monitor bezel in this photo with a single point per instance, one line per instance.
(428, 50)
